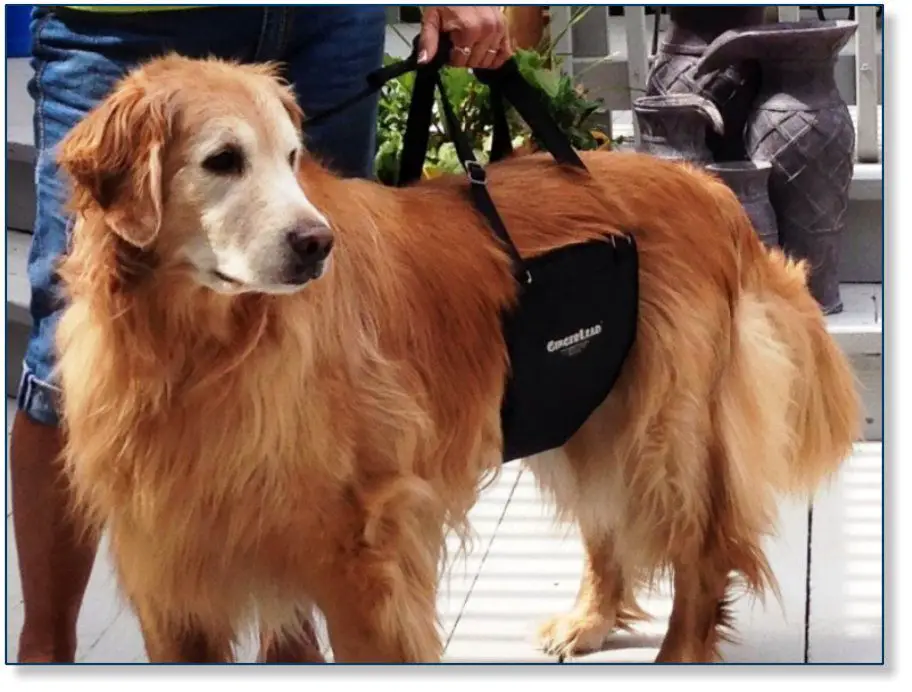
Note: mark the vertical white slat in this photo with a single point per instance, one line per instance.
(563, 48)
(608, 118)
(607, 17)
(789, 13)
(867, 149)
(637, 57)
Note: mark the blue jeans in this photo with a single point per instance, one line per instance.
(77, 58)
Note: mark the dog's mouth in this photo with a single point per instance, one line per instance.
(305, 276)
(225, 278)
(293, 283)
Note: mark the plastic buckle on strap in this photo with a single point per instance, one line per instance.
(476, 173)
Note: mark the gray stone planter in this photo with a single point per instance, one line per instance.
(731, 88)
(801, 125)
(675, 126)
(749, 181)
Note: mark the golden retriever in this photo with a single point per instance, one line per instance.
(282, 389)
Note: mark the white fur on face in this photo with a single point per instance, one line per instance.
(244, 217)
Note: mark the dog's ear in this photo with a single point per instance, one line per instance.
(114, 157)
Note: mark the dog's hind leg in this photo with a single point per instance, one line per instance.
(704, 570)
(606, 602)
(700, 611)
(702, 561)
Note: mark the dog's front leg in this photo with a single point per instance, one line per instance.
(379, 591)
(300, 646)
(385, 617)
(173, 640)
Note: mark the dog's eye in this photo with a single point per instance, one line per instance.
(293, 158)
(227, 161)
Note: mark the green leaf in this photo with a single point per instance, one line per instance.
(447, 159)
(549, 81)
(457, 83)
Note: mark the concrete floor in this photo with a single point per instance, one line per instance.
(522, 570)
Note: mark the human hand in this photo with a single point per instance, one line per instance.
(479, 35)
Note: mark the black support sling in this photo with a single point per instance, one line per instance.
(575, 320)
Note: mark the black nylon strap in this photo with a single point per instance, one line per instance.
(501, 144)
(375, 82)
(479, 184)
(417, 129)
(454, 131)
(418, 125)
(508, 83)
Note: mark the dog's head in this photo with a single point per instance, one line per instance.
(197, 162)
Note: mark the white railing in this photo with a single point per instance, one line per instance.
(867, 148)
(638, 58)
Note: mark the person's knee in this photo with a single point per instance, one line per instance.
(38, 400)
(38, 394)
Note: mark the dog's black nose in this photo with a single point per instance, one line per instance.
(310, 245)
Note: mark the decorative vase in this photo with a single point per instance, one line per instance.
(801, 125)
(731, 89)
(749, 180)
(675, 126)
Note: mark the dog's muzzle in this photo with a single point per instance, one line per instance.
(308, 248)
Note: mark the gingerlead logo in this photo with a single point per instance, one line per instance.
(574, 343)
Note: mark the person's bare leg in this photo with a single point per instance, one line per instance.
(55, 557)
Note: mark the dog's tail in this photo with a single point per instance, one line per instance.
(789, 392)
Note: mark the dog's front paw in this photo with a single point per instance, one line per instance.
(574, 634)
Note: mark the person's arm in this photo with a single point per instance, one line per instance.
(479, 34)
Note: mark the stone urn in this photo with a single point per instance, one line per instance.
(675, 126)
(731, 88)
(749, 180)
(801, 125)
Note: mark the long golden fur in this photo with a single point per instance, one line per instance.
(255, 455)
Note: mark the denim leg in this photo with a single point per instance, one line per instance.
(66, 83)
(329, 54)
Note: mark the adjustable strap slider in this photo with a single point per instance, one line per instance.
(476, 172)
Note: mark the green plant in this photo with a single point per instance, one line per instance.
(568, 104)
